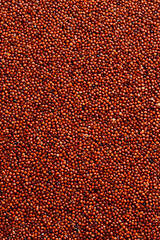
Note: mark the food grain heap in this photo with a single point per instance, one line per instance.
(79, 125)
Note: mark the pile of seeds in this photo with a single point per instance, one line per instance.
(79, 126)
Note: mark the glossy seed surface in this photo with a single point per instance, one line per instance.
(79, 125)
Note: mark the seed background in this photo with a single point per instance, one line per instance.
(79, 127)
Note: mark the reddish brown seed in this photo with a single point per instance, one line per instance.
(79, 126)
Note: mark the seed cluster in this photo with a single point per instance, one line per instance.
(79, 127)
